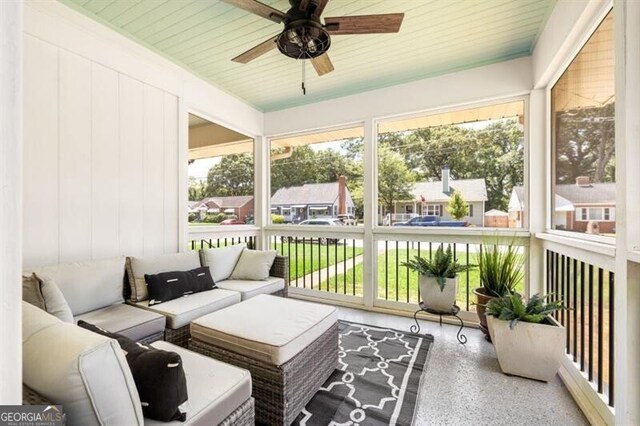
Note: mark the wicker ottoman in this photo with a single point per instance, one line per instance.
(290, 347)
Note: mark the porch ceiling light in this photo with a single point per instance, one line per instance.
(303, 39)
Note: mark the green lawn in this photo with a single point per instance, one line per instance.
(307, 258)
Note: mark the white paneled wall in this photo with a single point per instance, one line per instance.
(101, 161)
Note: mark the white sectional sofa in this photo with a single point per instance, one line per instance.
(88, 375)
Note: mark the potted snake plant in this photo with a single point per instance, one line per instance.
(500, 271)
(438, 278)
(529, 342)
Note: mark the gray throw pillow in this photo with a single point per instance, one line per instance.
(32, 291)
(254, 265)
(54, 300)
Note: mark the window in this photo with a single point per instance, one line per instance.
(445, 164)
(606, 214)
(221, 173)
(318, 175)
(583, 124)
(433, 210)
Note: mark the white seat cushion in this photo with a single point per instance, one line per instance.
(182, 311)
(249, 289)
(267, 328)
(132, 322)
(215, 389)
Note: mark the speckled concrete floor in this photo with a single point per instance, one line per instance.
(463, 385)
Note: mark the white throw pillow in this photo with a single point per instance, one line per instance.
(254, 265)
(221, 261)
(54, 300)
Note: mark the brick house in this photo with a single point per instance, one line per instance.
(240, 206)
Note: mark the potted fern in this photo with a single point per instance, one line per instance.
(438, 278)
(529, 342)
(500, 270)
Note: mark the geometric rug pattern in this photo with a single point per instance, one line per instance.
(377, 380)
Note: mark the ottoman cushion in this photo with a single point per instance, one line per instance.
(134, 323)
(249, 289)
(182, 311)
(215, 389)
(266, 328)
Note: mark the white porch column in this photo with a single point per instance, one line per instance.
(370, 202)
(536, 172)
(627, 285)
(261, 210)
(10, 201)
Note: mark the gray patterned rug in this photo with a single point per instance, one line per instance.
(377, 380)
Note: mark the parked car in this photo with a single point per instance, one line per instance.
(319, 221)
(232, 222)
(430, 220)
(348, 219)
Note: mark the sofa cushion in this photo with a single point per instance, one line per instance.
(90, 285)
(83, 371)
(215, 389)
(221, 261)
(167, 286)
(248, 289)
(132, 322)
(137, 267)
(32, 291)
(266, 328)
(158, 375)
(54, 300)
(254, 265)
(182, 311)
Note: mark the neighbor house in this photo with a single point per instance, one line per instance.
(575, 206)
(239, 205)
(432, 198)
(298, 203)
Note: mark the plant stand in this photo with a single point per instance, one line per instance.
(452, 313)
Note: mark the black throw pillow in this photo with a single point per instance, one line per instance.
(172, 285)
(158, 375)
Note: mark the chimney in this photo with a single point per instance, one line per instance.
(445, 179)
(582, 181)
(342, 195)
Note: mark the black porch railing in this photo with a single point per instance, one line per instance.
(588, 292)
(325, 264)
(205, 243)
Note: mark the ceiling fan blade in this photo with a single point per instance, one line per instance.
(322, 64)
(256, 51)
(364, 24)
(258, 8)
(319, 6)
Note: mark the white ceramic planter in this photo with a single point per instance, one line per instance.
(528, 350)
(436, 299)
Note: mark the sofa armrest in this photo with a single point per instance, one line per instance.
(280, 269)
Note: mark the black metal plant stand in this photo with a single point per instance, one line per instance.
(452, 313)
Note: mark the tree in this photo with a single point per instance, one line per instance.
(395, 180)
(233, 175)
(457, 208)
(197, 189)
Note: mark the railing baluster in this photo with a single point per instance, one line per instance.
(467, 276)
(353, 261)
(335, 256)
(611, 338)
(397, 268)
(575, 310)
(600, 328)
(304, 262)
(590, 373)
(568, 301)
(344, 267)
(386, 270)
(327, 260)
(582, 319)
(297, 274)
(419, 296)
(408, 273)
(311, 262)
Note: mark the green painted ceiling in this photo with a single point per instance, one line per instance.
(436, 37)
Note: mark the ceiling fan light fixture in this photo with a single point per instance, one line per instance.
(303, 39)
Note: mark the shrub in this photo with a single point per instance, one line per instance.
(219, 217)
(276, 218)
(193, 217)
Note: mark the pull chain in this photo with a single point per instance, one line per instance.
(304, 89)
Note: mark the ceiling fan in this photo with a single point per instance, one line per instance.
(304, 36)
